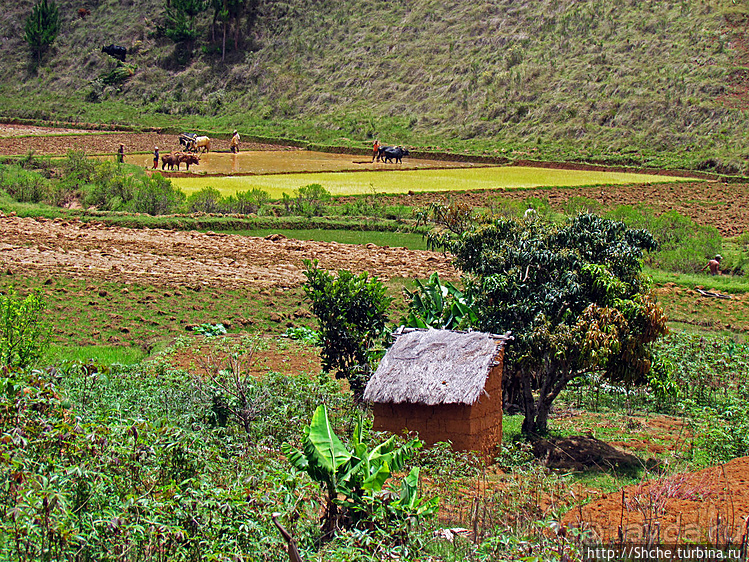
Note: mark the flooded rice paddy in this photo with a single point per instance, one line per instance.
(261, 162)
(279, 172)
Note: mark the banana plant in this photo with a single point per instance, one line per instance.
(351, 478)
(409, 505)
(439, 305)
(323, 455)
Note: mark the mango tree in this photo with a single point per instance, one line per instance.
(573, 296)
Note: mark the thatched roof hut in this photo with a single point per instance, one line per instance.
(445, 385)
(435, 367)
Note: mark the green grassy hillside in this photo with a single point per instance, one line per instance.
(631, 82)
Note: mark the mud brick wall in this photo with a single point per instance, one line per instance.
(470, 428)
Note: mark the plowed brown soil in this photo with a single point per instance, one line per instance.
(164, 257)
(20, 139)
(709, 506)
(708, 203)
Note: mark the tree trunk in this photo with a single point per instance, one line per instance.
(223, 44)
(237, 21)
(537, 411)
(512, 392)
(529, 405)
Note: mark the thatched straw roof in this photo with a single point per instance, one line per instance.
(435, 367)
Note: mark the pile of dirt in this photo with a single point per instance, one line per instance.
(176, 258)
(582, 453)
(709, 506)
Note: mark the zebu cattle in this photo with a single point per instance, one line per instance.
(176, 158)
(115, 51)
(188, 141)
(170, 160)
(389, 153)
(188, 159)
(204, 143)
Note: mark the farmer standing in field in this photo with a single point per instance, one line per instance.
(121, 154)
(376, 150)
(234, 144)
(714, 265)
(155, 157)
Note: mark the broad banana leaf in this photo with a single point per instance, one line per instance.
(322, 445)
(322, 452)
(410, 504)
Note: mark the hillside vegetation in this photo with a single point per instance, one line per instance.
(638, 82)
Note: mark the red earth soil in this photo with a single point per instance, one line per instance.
(269, 356)
(165, 257)
(709, 506)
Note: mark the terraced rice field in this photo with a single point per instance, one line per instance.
(404, 181)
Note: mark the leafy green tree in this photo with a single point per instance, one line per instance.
(179, 19)
(573, 297)
(24, 332)
(352, 312)
(42, 27)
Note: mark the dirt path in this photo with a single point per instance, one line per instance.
(165, 257)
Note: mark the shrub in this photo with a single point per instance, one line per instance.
(155, 195)
(23, 185)
(111, 187)
(250, 201)
(77, 173)
(118, 74)
(31, 161)
(24, 332)
(207, 200)
(310, 200)
(352, 312)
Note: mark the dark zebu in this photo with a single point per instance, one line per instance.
(115, 51)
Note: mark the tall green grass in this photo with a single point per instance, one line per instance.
(393, 239)
(99, 354)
